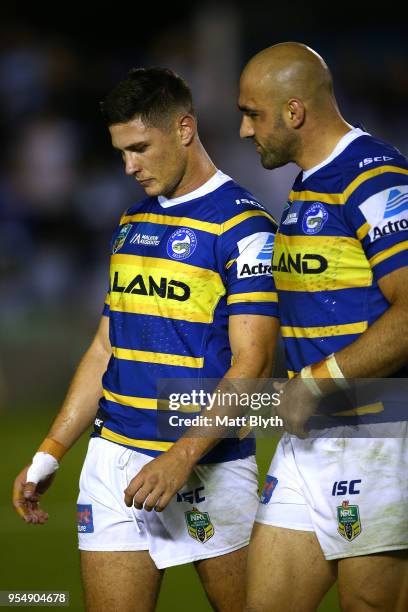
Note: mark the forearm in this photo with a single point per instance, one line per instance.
(193, 448)
(81, 403)
(381, 350)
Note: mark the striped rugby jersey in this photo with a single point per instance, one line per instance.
(343, 228)
(178, 269)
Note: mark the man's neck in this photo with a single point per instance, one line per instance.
(319, 143)
(199, 170)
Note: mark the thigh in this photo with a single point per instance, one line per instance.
(120, 581)
(223, 579)
(374, 582)
(286, 570)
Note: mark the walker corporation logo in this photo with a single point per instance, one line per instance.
(148, 234)
(397, 203)
(293, 212)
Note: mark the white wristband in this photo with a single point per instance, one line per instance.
(43, 465)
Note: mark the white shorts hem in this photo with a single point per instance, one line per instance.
(205, 555)
(365, 551)
(113, 548)
(295, 526)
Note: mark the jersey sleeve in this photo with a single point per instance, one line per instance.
(246, 258)
(377, 212)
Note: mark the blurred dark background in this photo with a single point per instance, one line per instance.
(62, 189)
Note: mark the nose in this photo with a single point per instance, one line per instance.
(132, 165)
(246, 130)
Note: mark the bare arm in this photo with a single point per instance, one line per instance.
(75, 416)
(383, 348)
(81, 402)
(253, 343)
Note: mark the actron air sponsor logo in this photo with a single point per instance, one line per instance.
(255, 254)
(386, 212)
(390, 228)
(307, 263)
(162, 287)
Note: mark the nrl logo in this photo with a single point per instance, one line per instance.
(199, 525)
(349, 524)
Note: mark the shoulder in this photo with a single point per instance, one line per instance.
(236, 204)
(369, 165)
(139, 207)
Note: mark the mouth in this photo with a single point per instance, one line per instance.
(144, 181)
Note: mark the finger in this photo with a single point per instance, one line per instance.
(278, 386)
(29, 491)
(153, 499)
(163, 501)
(133, 487)
(140, 498)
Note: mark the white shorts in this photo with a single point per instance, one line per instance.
(212, 515)
(352, 492)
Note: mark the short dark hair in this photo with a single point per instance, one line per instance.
(153, 94)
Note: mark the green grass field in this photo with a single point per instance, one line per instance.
(46, 557)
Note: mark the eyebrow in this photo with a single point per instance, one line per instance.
(132, 145)
(246, 109)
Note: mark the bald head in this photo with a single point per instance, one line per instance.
(290, 70)
(289, 109)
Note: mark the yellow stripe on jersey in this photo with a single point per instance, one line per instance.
(360, 410)
(254, 296)
(319, 263)
(163, 358)
(383, 255)
(205, 226)
(365, 176)
(164, 288)
(242, 217)
(324, 332)
(130, 400)
(363, 231)
(146, 403)
(146, 444)
(327, 198)
(341, 198)
(230, 263)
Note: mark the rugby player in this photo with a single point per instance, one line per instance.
(191, 296)
(332, 508)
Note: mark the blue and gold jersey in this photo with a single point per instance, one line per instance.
(179, 268)
(344, 227)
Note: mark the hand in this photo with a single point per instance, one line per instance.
(297, 405)
(26, 496)
(158, 481)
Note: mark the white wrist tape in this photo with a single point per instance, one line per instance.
(43, 465)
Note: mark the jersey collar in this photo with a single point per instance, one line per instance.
(339, 148)
(218, 179)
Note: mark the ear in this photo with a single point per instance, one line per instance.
(187, 128)
(295, 113)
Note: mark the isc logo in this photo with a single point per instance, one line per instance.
(342, 487)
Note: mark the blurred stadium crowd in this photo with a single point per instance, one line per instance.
(62, 189)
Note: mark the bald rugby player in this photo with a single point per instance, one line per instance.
(332, 508)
